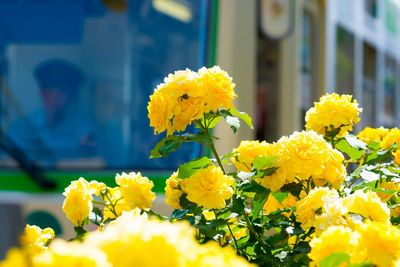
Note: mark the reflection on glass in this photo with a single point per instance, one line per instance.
(267, 89)
(389, 114)
(308, 64)
(369, 86)
(344, 62)
(82, 103)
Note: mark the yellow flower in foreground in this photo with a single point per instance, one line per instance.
(133, 240)
(173, 191)
(15, 258)
(219, 86)
(368, 205)
(71, 254)
(78, 201)
(136, 190)
(336, 239)
(333, 110)
(315, 203)
(393, 137)
(369, 135)
(381, 241)
(209, 187)
(35, 239)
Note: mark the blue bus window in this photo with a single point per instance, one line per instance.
(82, 103)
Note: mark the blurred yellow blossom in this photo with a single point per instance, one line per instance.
(381, 242)
(393, 137)
(396, 156)
(333, 110)
(71, 254)
(369, 135)
(336, 239)
(78, 201)
(209, 187)
(135, 190)
(16, 258)
(35, 239)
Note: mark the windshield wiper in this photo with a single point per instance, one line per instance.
(34, 171)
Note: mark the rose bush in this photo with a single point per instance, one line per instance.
(320, 197)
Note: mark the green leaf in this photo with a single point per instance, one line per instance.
(233, 122)
(280, 196)
(264, 162)
(355, 142)
(211, 119)
(243, 116)
(369, 176)
(188, 169)
(165, 146)
(353, 152)
(335, 259)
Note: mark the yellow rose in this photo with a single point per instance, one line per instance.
(334, 171)
(369, 135)
(368, 205)
(209, 187)
(219, 86)
(314, 204)
(173, 191)
(96, 187)
(35, 239)
(307, 153)
(393, 137)
(333, 110)
(381, 242)
(336, 239)
(78, 201)
(136, 190)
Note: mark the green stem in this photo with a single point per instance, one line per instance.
(234, 239)
(256, 235)
(204, 128)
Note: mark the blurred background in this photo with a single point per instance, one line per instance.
(76, 75)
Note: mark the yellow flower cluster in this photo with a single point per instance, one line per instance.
(186, 95)
(208, 187)
(131, 240)
(302, 155)
(132, 191)
(35, 239)
(369, 135)
(323, 207)
(333, 112)
(372, 242)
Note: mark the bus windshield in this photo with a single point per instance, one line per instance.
(75, 79)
